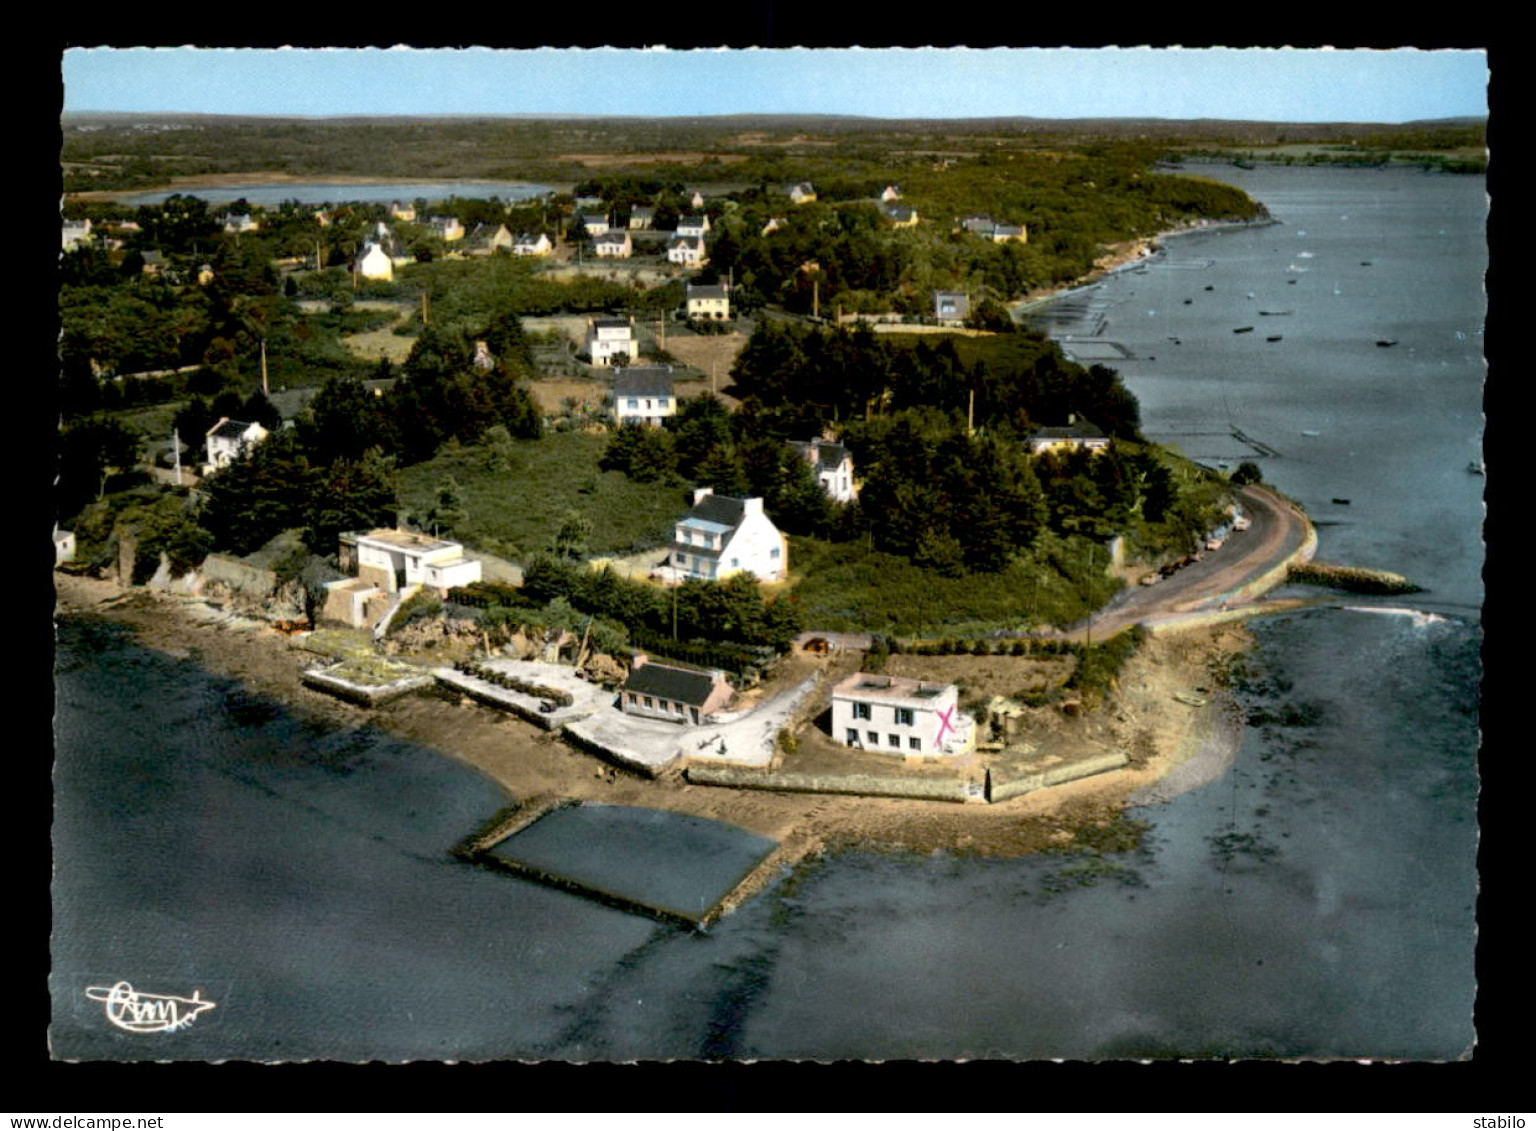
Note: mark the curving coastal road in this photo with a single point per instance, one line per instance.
(1249, 563)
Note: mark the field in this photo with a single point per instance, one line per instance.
(845, 587)
(515, 512)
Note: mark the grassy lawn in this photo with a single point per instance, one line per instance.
(845, 587)
(516, 512)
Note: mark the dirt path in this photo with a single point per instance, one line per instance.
(383, 342)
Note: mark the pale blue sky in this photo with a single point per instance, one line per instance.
(1255, 84)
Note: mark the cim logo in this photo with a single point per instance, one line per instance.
(137, 1012)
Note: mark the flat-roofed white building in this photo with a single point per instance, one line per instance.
(398, 559)
(896, 715)
(390, 566)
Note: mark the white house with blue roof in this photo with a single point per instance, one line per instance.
(721, 536)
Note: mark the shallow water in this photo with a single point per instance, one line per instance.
(1316, 901)
(672, 862)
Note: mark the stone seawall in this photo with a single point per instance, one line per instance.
(868, 785)
(1001, 788)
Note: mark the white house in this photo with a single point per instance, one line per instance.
(594, 225)
(951, 308)
(237, 222)
(611, 341)
(536, 243)
(76, 232)
(774, 224)
(670, 691)
(896, 715)
(374, 263)
(692, 225)
(63, 546)
(833, 464)
(696, 201)
(802, 193)
(390, 566)
(403, 212)
(1077, 435)
(228, 440)
(710, 301)
(641, 217)
(643, 395)
(890, 193)
(901, 216)
(686, 250)
(613, 244)
(721, 536)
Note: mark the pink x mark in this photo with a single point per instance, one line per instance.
(944, 725)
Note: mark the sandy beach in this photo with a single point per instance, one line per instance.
(1173, 746)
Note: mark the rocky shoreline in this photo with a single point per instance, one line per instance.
(1175, 747)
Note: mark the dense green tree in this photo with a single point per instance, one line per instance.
(91, 451)
(344, 420)
(350, 495)
(258, 497)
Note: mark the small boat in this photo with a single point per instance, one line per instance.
(1291, 281)
(1365, 263)
(1210, 288)
(1476, 467)
(1190, 301)
(1384, 343)
(1273, 338)
(1274, 313)
(1341, 502)
(1243, 330)
(1190, 699)
(1310, 432)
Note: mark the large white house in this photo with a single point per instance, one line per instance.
(643, 394)
(228, 440)
(374, 263)
(611, 341)
(896, 715)
(692, 225)
(721, 536)
(533, 243)
(833, 465)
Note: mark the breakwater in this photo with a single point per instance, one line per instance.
(866, 785)
(1002, 785)
(1353, 579)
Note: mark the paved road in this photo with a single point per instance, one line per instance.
(1278, 530)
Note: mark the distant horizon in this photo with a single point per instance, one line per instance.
(1282, 85)
(559, 116)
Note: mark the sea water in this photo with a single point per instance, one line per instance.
(1316, 901)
